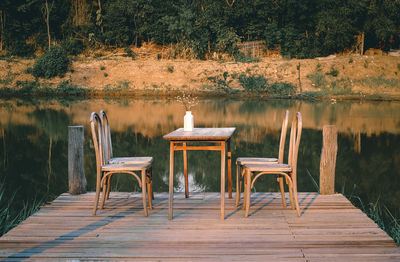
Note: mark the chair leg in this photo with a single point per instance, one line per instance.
(144, 192)
(280, 180)
(237, 186)
(108, 188)
(104, 195)
(296, 202)
(96, 199)
(290, 184)
(247, 190)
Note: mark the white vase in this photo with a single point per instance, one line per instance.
(188, 121)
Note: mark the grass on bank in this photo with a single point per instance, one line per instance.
(10, 218)
(381, 215)
(378, 212)
(35, 88)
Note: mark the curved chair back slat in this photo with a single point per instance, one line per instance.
(98, 138)
(107, 136)
(283, 137)
(294, 144)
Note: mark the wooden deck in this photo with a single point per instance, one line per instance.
(330, 229)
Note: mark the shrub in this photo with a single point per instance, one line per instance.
(281, 89)
(72, 46)
(54, 63)
(130, 53)
(317, 78)
(222, 82)
(171, 69)
(20, 48)
(334, 72)
(253, 82)
(28, 86)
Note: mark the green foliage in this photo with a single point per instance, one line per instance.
(302, 29)
(258, 83)
(8, 217)
(380, 82)
(242, 58)
(54, 63)
(102, 68)
(28, 86)
(317, 78)
(253, 82)
(130, 53)
(334, 72)
(222, 82)
(20, 48)
(171, 69)
(72, 46)
(281, 89)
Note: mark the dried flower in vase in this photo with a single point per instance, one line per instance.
(187, 100)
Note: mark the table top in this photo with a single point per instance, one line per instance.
(207, 134)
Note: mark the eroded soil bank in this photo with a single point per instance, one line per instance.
(112, 73)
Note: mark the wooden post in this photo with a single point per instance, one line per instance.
(328, 160)
(76, 174)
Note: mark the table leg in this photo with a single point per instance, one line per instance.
(144, 191)
(185, 171)
(171, 180)
(223, 180)
(229, 169)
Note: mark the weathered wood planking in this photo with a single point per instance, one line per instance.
(330, 229)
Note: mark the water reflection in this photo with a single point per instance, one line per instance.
(33, 137)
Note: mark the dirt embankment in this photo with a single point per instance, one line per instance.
(334, 76)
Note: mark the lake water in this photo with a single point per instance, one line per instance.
(34, 144)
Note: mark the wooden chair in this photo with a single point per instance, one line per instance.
(240, 161)
(289, 171)
(106, 170)
(120, 160)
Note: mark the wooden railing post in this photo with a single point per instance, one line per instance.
(76, 174)
(328, 160)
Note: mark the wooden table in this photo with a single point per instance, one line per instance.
(179, 140)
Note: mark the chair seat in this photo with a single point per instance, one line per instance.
(255, 160)
(131, 160)
(269, 167)
(125, 167)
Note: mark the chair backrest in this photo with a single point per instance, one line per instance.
(295, 136)
(98, 139)
(283, 137)
(107, 136)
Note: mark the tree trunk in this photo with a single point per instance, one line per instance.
(101, 23)
(48, 22)
(2, 27)
(362, 44)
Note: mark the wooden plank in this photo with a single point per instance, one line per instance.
(330, 229)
